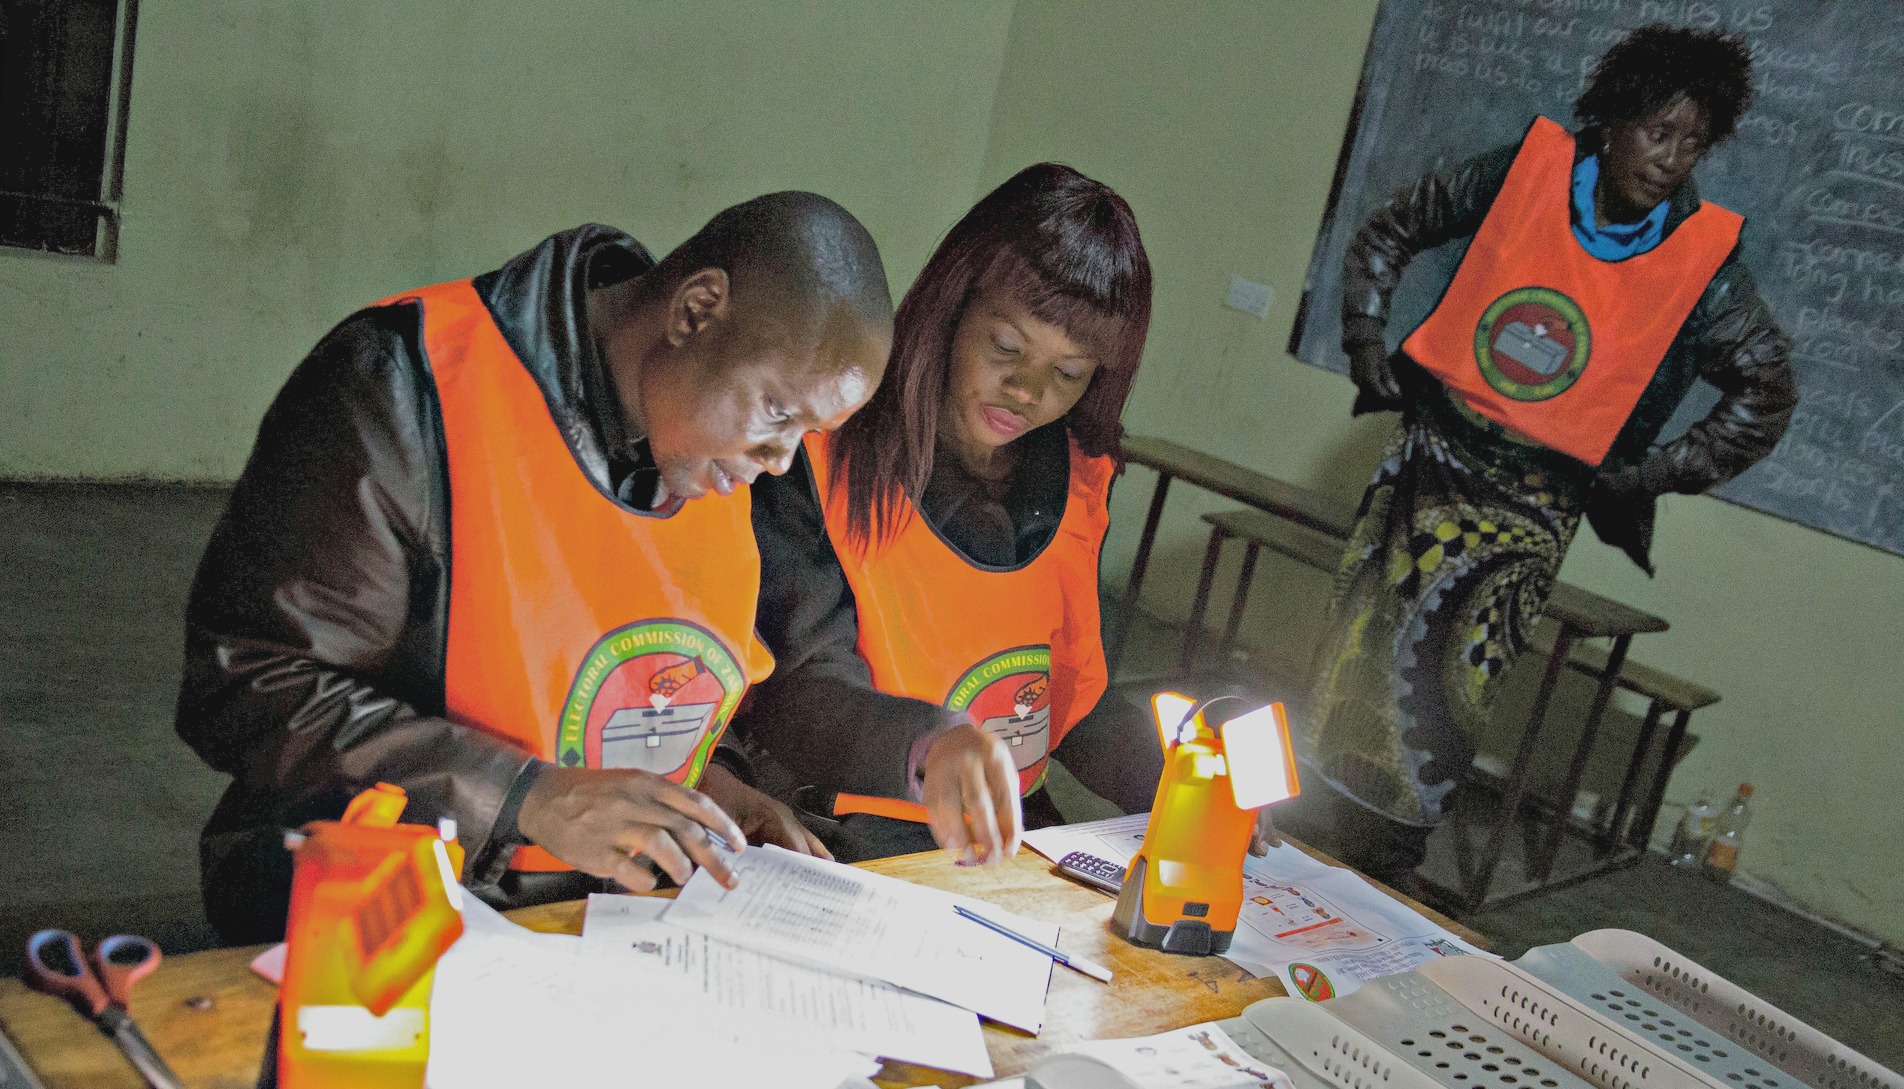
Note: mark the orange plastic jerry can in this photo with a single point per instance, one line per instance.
(374, 903)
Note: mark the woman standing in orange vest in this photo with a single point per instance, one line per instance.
(1596, 287)
(929, 573)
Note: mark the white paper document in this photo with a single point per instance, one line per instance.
(510, 1008)
(742, 987)
(849, 920)
(1321, 929)
(270, 963)
(1198, 1057)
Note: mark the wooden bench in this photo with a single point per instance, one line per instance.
(1580, 614)
(1665, 694)
(1170, 460)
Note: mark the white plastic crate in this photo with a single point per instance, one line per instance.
(1417, 1019)
(1317, 1050)
(1701, 1015)
(1600, 1051)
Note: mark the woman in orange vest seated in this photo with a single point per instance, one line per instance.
(1596, 288)
(929, 573)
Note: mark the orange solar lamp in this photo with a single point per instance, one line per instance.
(374, 903)
(1184, 887)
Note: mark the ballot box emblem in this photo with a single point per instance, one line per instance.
(654, 696)
(658, 739)
(1009, 695)
(1311, 982)
(1532, 344)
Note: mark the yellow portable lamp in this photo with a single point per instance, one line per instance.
(1184, 887)
(374, 903)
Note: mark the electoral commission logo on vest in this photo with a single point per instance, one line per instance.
(645, 697)
(1009, 694)
(1532, 343)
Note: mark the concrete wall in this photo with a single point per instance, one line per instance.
(288, 163)
(1221, 122)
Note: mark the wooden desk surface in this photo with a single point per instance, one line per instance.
(221, 1045)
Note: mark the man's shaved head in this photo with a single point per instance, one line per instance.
(773, 321)
(792, 259)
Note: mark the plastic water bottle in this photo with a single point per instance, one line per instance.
(1688, 847)
(1722, 854)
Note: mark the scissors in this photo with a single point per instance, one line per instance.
(56, 965)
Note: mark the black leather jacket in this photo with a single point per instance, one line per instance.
(318, 621)
(1729, 339)
(819, 721)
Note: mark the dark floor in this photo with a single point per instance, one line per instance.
(100, 816)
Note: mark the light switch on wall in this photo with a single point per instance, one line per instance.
(1249, 296)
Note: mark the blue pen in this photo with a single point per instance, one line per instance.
(1077, 964)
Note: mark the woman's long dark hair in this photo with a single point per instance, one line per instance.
(1059, 244)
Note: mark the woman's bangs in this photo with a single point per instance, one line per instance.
(1084, 317)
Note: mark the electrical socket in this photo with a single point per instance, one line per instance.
(1249, 296)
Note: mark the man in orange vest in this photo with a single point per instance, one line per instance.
(493, 545)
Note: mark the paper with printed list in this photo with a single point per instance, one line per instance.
(743, 987)
(849, 920)
(510, 1008)
(1322, 930)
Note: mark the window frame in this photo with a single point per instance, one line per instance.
(108, 220)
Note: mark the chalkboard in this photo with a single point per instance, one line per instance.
(1816, 167)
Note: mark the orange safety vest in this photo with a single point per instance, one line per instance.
(1018, 649)
(590, 634)
(1547, 340)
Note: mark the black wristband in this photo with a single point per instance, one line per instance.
(505, 830)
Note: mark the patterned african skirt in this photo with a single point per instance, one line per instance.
(1456, 547)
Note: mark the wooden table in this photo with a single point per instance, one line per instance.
(208, 1014)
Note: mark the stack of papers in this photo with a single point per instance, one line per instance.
(727, 982)
(811, 911)
(1322, 930)
(823, 967)
(513, 1008)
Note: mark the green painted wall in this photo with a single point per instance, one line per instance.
(1221, 122)
(288, 163)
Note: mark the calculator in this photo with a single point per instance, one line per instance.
(1093, 871)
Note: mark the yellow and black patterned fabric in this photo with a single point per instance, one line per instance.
(1455, 550)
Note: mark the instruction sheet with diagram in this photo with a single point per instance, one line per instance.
(1321, 929)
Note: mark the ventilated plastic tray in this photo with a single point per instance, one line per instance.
(1607, 1053)
(1317, 1050)
(1293, 1035)
(1699, 1016)
(1415, 1018)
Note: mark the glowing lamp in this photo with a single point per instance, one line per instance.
(374, 903)
(1184, 887)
